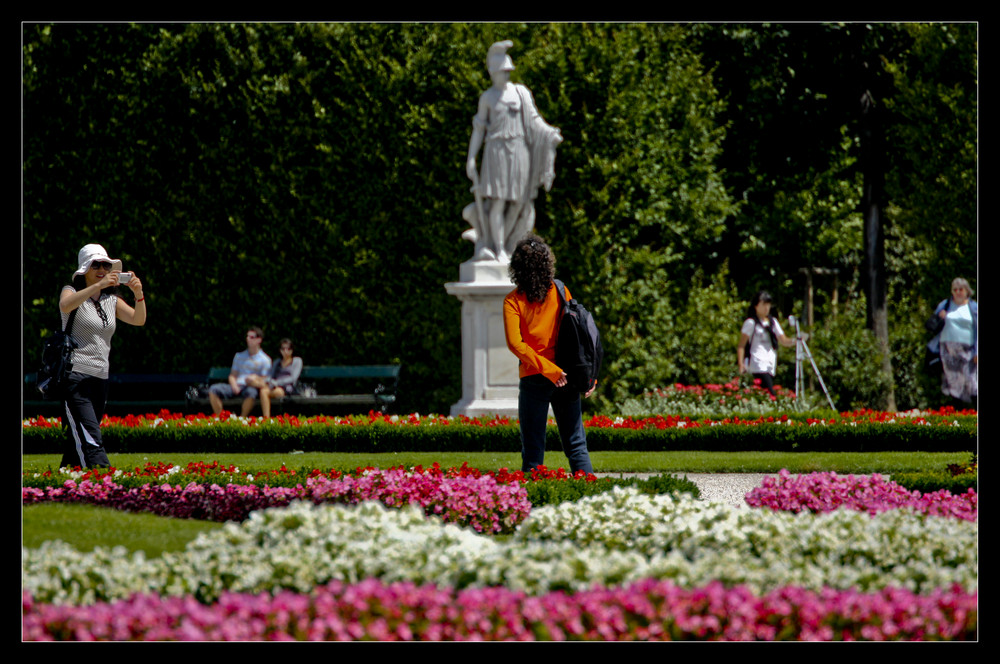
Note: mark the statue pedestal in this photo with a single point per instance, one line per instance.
(489, 369)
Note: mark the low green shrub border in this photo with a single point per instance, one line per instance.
(931, 482)
(546, 492)
(861, 437)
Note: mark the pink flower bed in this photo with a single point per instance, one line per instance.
(647, 610)
(824, 492)
(479, 502)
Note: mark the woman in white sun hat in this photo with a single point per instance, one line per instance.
(94, 296)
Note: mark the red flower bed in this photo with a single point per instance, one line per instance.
(202, 471)
(165, 418)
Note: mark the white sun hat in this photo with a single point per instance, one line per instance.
(95, 252)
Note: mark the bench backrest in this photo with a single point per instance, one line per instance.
(219, 373)
(134, 378)
(222, 373)
(316, 372)
(357, 371)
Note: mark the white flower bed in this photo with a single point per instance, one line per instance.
(607, 539)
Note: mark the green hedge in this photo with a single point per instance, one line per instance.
(551, 492)
(342, 146)
(930, 482)
(737, 437)
(861, 437)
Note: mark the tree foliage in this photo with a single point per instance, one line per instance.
(309, 178)
(641, 200)
(934, 176)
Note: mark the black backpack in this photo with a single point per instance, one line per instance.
(56, 363)
(579, 352)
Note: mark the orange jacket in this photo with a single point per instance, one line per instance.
(531, 329)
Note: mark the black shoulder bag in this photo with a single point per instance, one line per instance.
(57, 362)
(934, 325)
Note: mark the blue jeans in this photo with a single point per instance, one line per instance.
(225, 391)
(533, 399)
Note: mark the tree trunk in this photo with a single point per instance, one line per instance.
(873, 166)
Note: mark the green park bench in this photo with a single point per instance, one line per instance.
(140, 392)
(320, 387)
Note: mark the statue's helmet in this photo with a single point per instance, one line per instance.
(497, 58)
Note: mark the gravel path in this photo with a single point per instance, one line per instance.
(726, 488)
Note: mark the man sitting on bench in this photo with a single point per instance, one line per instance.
(252, 361)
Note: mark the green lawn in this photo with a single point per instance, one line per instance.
(86, 526)
(641, 462)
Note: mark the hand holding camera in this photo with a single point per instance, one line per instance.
(129, 279)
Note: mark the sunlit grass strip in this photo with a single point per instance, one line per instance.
(42, 469)
(647, 610)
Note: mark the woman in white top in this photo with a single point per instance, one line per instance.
(285, 372)
(760, 335)
(93, 295)
(958, 343)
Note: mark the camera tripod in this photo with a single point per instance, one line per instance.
(802, 352)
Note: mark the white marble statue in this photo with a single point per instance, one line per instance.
(518, 158)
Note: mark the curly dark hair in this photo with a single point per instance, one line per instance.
(532, 267)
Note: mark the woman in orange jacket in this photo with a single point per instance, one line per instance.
(531, 317)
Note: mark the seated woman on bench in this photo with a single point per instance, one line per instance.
(283, 378)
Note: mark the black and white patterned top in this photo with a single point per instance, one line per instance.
(93, 328)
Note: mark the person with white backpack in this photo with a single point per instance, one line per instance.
(760, 335)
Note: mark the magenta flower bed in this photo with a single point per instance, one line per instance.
(647, 611)
(823, 492)
(478, 502)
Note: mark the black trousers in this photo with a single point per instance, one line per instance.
(766, 381)
(83, 410)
